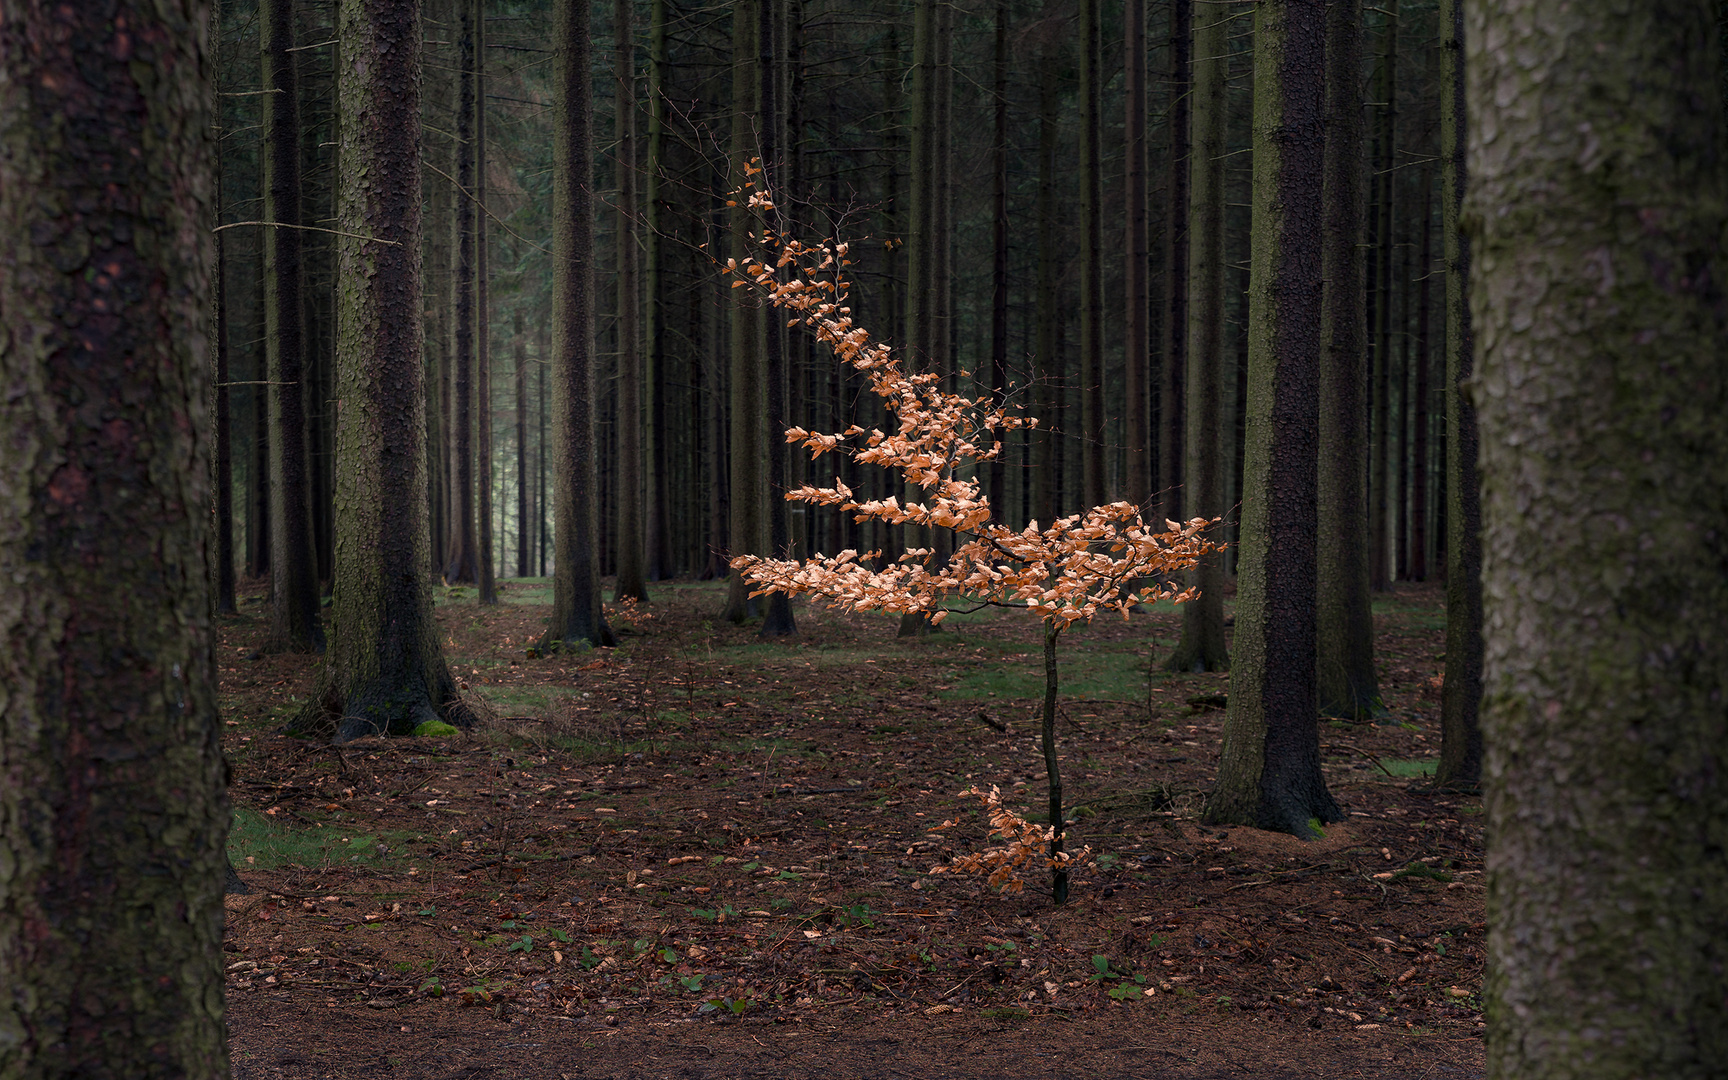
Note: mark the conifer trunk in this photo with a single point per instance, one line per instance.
(485, 562)
(632, 558)
(1136, 336)
(1173, 355)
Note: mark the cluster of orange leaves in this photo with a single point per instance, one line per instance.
(1024, 843)
(1079, 565)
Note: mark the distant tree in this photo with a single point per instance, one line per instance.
(294, 621)
(1091, 208)
(1174, 325)
(1136, 268)
(1202, 645)
(577, 617)
(461, 563)
(114, 798)
(486, 563)
(1269, 773)
(632, 533)
(385, 672)
(1460, 765)
(1598, 209)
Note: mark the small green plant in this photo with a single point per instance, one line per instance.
(432, 987)
(523, 945)
(1128, 986)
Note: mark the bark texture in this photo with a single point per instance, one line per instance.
(632, 534)
(1269, 773)
(577, 619)
(386, 672)
(113, 803)
(1349, 686)
(1597, 210)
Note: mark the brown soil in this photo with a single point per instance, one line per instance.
(700, 855)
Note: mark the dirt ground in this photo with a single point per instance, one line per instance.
(704, 855)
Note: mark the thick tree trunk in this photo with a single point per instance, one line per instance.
(1380, 469)
(632, 535)
(386, 672)
(1269, 773)
(1349, 685)
(1460, 764)
(657, 435)
(1602, 382)
(223, 397)
(294, 622)
(577, 618)
(114, 802)
(1202, 646)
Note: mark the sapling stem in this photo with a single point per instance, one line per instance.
(1052, 768)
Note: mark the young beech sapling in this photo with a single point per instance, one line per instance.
(1105, 558)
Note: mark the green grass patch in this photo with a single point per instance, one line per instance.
(269, 843)
(1410, 767)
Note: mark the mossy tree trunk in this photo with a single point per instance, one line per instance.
(1269, 774)
(1349, 685)
(577, 618)
(1598, 208)
(386, 672)
(1460, 766)
(1202, 646)
(114, 808)
(294, 622)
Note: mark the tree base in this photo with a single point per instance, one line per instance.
(341, 717)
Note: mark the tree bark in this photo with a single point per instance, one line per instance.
(222, 394)
(1598, 208)
(115, 803)
(1269, 773)
(777, 620)
(632, 535)
(461, 566)
(1460, 766)
(577, 618)
(1136, 329)
(1348, 683)
(996, 475)
(1419, 453)
(1202, 645)
(1091, 258)
(1173, 358)
(662, 565)
(1380, 464)
(486, 564)
(524, 513)
(294, 621)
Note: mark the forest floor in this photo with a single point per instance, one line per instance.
(704, 855)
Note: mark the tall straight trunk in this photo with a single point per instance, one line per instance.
(223, 394)
(1136, 336)
(747, 486)
(1399, 462)
(1048, 364)
(656, 434)
(777, 618)
(632, 559)
(1091, 258)
(1349, 685)
(294, 622)
(438, 104)
(485, 558)
(1172, 440)
(386, 672)
(1269, 772)
(1419, 454)
(577, 619)
(996, 476)
(1202, 646)
(258, 477)
(1460, 765)
(1601, 382)
(114, 802)
(524, 520)
(542, 402)
(462, 565)
(1379, 472)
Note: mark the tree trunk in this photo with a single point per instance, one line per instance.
(386, 672)
(1602, 381)
(1202, 646)
(1091, 258)
(1052, 763)
(1269, 773)
(632, 536)
(524, 520)
(1419, 454)
(577, 618)
(223, 395)
(1136, 336)
(657, 435)
(294, 622)
(996, 476)
(115, 800)
(486, 563)
(1380, 470)
(1173, 357)
(1460, 766)
(1348, 683)
(462, 564)
(1048, 365)
(777, 618)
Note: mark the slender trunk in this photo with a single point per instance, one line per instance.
(462, 565)
(1419, 453)
(997, 475)
(632, 536)
(1460, 766)
(1091, 259)
(224, 508)
(656, 435)
(777, 618)
(1137, 342)
(1174, 348)
(524, 526)
(1048, 364)
(295, 624)
(1348, 682)
(1052, 764)
(1202, 646)
(485, 558)
(1379, 489)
